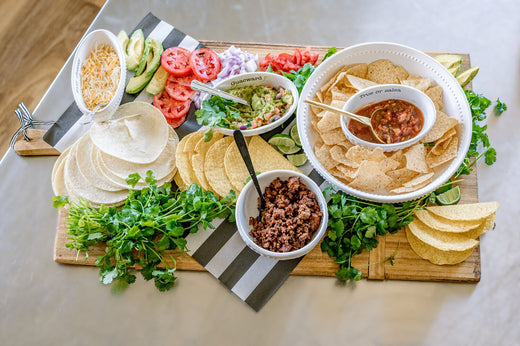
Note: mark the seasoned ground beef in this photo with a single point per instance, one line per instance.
(290, 218)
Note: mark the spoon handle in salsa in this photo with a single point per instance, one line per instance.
(242, 148)
(198, 86)
(361, 119)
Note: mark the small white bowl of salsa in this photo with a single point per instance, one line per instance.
(400, 115)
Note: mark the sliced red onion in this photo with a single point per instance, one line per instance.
(243, 127)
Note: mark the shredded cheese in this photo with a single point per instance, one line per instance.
(100, 76)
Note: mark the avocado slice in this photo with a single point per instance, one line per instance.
(158, 81)
(452, 62)
(467, 76)
(134, 50)
(123, 39)
(152, 61)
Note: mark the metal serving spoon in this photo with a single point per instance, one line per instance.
(198, 86)
(242, 147)
(364, 120)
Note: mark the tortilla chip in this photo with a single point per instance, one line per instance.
(414, 184)
(443, 142)
(235, 167)
(416, 158)
(329, 121)
(265, 158)
(358, 70)
(370, 177)
(400, 176)
(446, 225)
(214, 167)
(359, 154)
(433, 254)
(360, 83)
(435, 93)
(333, 137)
(337, 104)
(324, 157)
(388, 164)
(384, 72)
(348, 172)
(338, 94)
(399, 157)
(443, 123)
(421, 84)
(441, 240)
(447, 155)
(338, 153)
(474, 211)
(401, 72)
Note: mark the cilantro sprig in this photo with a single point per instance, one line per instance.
(152, 224)
(354, 226)
(216, 111)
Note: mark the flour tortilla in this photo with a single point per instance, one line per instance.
(87, 169)
(58, 181)
(138, 134)
(77, 185)
(161, 167)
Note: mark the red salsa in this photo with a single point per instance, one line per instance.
(393, 120)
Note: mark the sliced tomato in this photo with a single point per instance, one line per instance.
(186, 80)
(177, 122)
(205, 63)
(175, 60)
(177, 91)
(170, 108)
(298, 57)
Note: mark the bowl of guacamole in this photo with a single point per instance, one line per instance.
(272, 100)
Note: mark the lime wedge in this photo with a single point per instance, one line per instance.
(281, 140)
(452, 196)
(295, 136)
(451, 61)
(287, 150)
(467, 76)
(297, 159)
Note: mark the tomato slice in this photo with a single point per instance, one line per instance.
(178, 91)
(170, 108)
(205, 63)
(185, 81)
(177, 122)
(175, 60)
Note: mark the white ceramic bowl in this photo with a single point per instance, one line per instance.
(383, 92)
(259, 78)
(247, 206)
(86, 45)
(416, 63)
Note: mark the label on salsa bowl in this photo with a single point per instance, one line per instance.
(393, 120)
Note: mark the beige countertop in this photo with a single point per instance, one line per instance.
(51, 304)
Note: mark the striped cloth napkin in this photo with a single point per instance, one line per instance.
(253, 278)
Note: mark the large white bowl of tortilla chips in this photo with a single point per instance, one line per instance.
(369, 173)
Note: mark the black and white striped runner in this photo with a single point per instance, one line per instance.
(253, 278)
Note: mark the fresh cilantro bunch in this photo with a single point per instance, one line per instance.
(354, 226)
(152, 224)
(479, 138)
(216, 111)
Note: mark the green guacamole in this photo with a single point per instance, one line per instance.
(268, 104)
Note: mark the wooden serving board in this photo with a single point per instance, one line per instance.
(407, 265)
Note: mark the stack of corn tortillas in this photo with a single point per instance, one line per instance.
(448, 234)
(136, 140)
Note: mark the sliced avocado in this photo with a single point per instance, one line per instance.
(134, 50)
(144, 59)
(452, 62)
(158, 81)
(467, 76)
(152, 62)
(123, 39)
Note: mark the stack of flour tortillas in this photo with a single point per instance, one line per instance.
(136, 140)
(448, 234)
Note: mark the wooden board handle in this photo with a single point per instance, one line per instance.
(36, 146)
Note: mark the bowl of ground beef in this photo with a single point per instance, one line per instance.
(293, 221)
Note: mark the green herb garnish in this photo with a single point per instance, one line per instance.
(354, 226)
(152, 221)
(500, 107)
(479, 138)
(216, 111)
(330, 52)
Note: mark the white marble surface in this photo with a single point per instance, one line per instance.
(45, 303)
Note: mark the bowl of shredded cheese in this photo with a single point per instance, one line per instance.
(98, 75)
